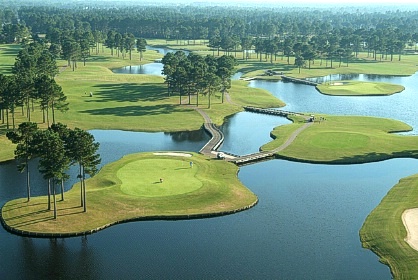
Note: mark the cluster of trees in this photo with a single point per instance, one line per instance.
(31, 82)
(125, 43)
(193, 74)
(57, 148)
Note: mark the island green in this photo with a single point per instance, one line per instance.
(345, 140)
(130, 189)
(358, 88)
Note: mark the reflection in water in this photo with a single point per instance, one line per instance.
(56, 258)
(191, 136)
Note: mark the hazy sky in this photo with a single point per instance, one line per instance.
(309, 2)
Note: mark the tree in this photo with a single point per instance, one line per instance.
(51, 97)
(12, 97)
(212, 84)
(141, 45)
(82, 149)
(225, 68)
(23, 136)
(299, 62)
(52, 161)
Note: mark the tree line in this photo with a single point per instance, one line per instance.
(305, 34)
(188, 75)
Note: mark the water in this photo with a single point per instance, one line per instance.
(304, 98)
(304, 227)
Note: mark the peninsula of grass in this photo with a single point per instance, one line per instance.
(130, 189)
(384, 233)
(345, 140)
(358, 88)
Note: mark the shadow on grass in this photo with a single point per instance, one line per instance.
(136, 111)
(373, 157)
(132, 92)
(34, 221)
(28, 215)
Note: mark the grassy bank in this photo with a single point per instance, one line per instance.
(356, 88)
(346, 140)
(383, 231)
(131, 102)
(130, 189)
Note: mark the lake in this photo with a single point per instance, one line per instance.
(305, 226)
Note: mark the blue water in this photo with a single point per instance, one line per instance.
(305, 225)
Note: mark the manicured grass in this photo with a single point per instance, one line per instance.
(117, 193)
(141, 177)
(383, 231)
(356, 88)
(134, 102)
(346, 139)
(7, 57)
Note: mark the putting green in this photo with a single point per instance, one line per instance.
(142, 177)
(359, 88)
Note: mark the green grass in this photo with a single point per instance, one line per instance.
(383, 231)
(346, 139)
(8, 54)
(356, 88)
(363, 64)
(133, 102)
(118, 194)
(141, 177)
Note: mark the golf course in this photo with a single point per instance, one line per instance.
(182, 185)
(145, 186)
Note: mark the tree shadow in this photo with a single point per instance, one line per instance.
(136, 110)
(374, 157)
(129, 92)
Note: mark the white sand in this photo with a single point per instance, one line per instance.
(173, 154)
(337, 84)
(410, 221)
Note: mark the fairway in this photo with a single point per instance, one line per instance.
(142, 177)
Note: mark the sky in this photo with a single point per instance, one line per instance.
(307, 2)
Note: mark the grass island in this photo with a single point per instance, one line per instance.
(345, 140)
(137, 187)
(358, 88)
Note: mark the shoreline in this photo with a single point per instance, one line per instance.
(135, 219)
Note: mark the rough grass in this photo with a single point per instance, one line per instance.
(346, 139)
(212, 188)
(355, 88)
(383, 231)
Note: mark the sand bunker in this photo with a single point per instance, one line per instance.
(337, 84)
(173, 154)
(410, 221)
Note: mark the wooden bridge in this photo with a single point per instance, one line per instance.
(212, 146)
(270, 111)
(298, 81)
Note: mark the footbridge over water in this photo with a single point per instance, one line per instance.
(212, 146)
(298, 81)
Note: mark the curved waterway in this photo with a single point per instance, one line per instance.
(305, 226)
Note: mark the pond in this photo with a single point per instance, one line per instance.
(304, 98)
(305, 226)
